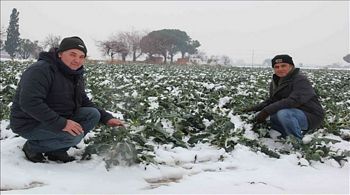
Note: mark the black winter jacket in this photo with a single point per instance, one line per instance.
(294, 92)
(49, 92)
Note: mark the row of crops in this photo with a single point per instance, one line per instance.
(187, 105)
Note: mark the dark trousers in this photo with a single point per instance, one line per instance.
(42, 139)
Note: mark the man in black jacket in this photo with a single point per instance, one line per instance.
(51, 109)
(293, 105)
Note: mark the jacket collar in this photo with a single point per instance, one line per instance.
(279, 83)
(66, 70)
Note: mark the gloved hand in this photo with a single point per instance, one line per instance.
(261, 117)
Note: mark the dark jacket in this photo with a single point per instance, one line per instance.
(294, 91)
(49, 92)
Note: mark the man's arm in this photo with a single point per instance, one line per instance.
(86, 102)
(35, 85)
(301, 94)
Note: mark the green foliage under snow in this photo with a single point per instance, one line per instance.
(186, 105)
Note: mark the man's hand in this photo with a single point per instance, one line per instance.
(115, 122)
(73, 128)
(261, 117)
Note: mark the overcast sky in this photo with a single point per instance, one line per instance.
(313, 32)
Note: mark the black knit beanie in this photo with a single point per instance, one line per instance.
(283, 58)
(72, 43)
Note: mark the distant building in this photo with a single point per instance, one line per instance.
(183, 60)
(197, 60)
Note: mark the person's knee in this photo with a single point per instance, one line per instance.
(95, 114)
(91, 116)
(72, 140)
(282, 115)
(92, 113)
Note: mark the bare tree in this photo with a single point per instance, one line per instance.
(201, 55)
(106, 48)
(213, 60)
(112, 47)
(25, 47)
(36, 50)
(28, 49)
(132, 40)
(226, 60)
(51, 41)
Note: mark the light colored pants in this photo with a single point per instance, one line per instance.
(41, 139)
(290, 121)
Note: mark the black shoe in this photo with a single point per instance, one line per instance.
(59, 156)
(32, 156)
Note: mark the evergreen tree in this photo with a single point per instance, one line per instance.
(12, 42)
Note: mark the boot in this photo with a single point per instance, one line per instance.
(32, 156)
(59, 156)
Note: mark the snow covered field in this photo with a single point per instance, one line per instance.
(242, 171)
(229, 159)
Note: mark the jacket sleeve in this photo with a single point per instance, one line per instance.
(35, 85)
(302, 92)
(262, 105)
(86, 102)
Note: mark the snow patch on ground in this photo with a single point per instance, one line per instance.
(201, 169)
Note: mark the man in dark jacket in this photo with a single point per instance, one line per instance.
(50, 108)
(293, 105)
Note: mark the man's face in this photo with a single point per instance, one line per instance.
(282, 69)
(73, 58)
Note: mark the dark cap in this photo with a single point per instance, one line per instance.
(284, 58)
(72, 43)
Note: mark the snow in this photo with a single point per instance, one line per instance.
(153, 101)
(175, 91)
(167, 126)
(223, 101)
(207, 123)
(202, 169)
(208, 86)
(134, 94)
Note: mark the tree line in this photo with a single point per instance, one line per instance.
(165, 43)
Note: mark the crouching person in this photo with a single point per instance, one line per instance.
(293, 105)
(51, 109)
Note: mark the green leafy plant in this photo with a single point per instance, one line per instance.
(187, 105)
